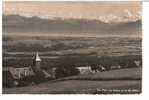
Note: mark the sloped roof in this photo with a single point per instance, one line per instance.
(37, 58)
(16, 71)
(46, 74)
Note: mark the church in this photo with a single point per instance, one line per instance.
(12, 75)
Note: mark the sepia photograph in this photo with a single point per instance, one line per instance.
(72, 47)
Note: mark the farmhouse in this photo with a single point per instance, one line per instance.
(84, 69)
(18, 73)
(12, 75)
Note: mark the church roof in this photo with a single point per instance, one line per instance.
(37, 58)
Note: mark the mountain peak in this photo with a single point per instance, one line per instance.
(35, 24)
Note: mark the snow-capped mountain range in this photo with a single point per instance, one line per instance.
(34, 24)
(127, 16)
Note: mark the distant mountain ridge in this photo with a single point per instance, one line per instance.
(17, 23)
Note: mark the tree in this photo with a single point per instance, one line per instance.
(66, 67)
(66, 71)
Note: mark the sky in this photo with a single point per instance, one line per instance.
(106, 11)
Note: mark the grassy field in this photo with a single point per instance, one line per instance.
(119, 74)
(77, 87)
(120, 84)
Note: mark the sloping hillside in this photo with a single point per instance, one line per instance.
(87, 86)
(121, 74)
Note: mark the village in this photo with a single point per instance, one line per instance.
(30, 75)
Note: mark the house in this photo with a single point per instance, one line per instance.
(84, 69)
(51, 71)
(138, 63)
(21, 72)
(12, 75)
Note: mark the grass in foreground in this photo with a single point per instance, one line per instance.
(124, 81)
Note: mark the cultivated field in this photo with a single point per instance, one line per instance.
(19, 50)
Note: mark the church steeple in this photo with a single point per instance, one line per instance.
(36, 62)
(37, 58)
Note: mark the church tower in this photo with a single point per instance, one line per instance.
(36, 63)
